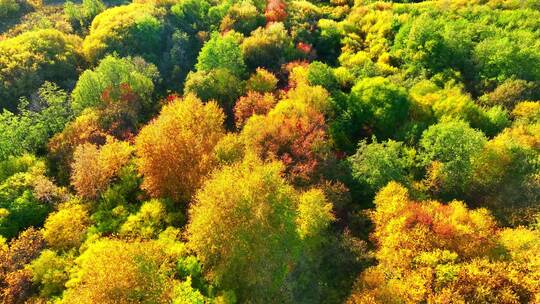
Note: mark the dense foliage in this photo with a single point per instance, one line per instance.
(269, 151)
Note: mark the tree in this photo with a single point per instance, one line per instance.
(502, 58)
(385, 104)
(428, 251)
(191, 16)
(242, 17)
(94, 167)
(27, 60)
(452, 145)
(230, 149)
(120, 89)
(21, 205)
(314, 216)
(219, 85)
(422, 45)
(84, 129)
(267, 47)
(147, 222)
(376, 164)
(251, 104)
(294, 132)
(35, 124)
(503, 176)
(242, 228)
(66, 228)
(320, 74)
(222, 52)
(82, 15)
(50, 271)
(509, 93)
(262, 81)
(108, 78)
(16, 281)
(114, 271)
(527, 111)
(24, 248)
(275, 11)
(180, 58)
(175, 150)
(128, 30)
(8, 8)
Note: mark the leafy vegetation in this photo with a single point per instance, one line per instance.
(269, 151)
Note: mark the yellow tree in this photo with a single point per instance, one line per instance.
(243, 229)
(66, 228)
(430, 252)
(175, 151)
(114, 271)
(94, 167)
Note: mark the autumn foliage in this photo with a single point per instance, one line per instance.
(251, 104)
(448, 247)
(275, 11)
(269, 151)
(94, 167)
(175, 149)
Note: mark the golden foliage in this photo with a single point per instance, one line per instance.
(314, 214)
(434, 253)
(175, 149)
(120, 272)
(110, 28)
(146, 223)
(294, 132)
(243, 228)
(84, 129)
(94, 167)
(66, 228)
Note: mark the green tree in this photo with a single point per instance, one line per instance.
(376, 164)
(50, 272)
(121, 92)
(222, 52)
(385, 104)
(449, 147)
(109, 76)
(191, 16)
(33, 125)
(219, 85)
(7, 8)
(501, 58)
(267, 47)
(82, 15)
(147, 222)
(25, 196)
(320, 74)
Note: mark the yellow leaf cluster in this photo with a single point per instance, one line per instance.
(175, 151)
(94, 167)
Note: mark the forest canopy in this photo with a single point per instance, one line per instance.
(269, 151)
